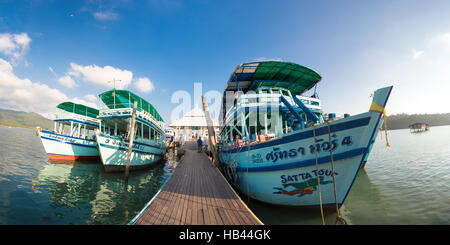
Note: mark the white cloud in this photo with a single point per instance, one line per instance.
(25, 95)
(441, 42)
(83, 102)
(101, 76)
(67, 82)
(14, 46)
(91, 97)
(417, 54)
(105, 16)
(422, 85)
(144, 84)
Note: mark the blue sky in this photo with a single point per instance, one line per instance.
(67, 50)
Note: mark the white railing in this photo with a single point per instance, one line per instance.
(146, 116)
(262, 100)
(74, 116)
(312, 103)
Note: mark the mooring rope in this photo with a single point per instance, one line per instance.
(385, 127)
(339, 217)
(318, 177)
(248, 188)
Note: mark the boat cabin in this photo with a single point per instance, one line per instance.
(116, 118)
(418, 127)
(264, 100)
(76, 120)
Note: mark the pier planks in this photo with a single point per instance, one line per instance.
(197, 194)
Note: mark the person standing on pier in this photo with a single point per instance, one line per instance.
(199, 144)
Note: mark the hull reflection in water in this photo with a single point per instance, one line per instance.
(83, 193)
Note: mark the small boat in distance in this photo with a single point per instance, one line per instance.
(113, 138)
(418, 127)
(277, 147)
(73, 134)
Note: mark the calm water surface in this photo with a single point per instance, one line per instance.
(35, 191)
(408, 183)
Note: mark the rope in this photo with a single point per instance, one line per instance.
(385, 127)
(377, 108)
(339, 218)
(318, 178)
(236, 153)
(233, 160)
(248, 188)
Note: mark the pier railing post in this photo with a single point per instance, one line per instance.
(130, 148)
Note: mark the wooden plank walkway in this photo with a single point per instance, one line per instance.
(197, 194)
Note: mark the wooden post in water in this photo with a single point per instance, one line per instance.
(130, 148)
(211, 132)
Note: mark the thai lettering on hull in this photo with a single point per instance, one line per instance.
(278, 154)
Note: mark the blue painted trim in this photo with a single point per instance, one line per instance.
(50, 132)
(299, 118)
(304, 163)
(73, 120)
(126, 149)
(70, 143)
(134, 142)
(305, 109)
(306, 134)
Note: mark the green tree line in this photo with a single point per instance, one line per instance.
(400, 121)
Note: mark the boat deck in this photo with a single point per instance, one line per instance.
(197, 194)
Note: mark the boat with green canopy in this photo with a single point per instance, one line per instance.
(113, 137)
(276, 144)
(73, 135)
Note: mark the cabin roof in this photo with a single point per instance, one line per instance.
(78, 109)
(124, 99)
(249, 76)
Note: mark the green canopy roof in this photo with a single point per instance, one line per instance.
(296, 78)
(125, 99)
(78, 109)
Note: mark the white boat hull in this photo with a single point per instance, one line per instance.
(285, 171)
(65, 147)
(114, 154)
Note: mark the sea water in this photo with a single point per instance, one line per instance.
(36, 191)
(406, 183)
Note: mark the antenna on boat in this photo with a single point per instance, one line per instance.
(114, 90)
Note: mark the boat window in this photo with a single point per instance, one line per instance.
(146, 132)
(285, 92)
(314, 103)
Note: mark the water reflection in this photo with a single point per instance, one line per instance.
(83, 193)
(365, 197)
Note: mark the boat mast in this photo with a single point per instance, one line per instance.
(114, 92)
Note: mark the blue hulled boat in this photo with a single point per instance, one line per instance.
(277, 146)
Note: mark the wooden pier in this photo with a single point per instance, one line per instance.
(196, 194)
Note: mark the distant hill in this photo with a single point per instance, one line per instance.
(400, 121)
(23, 119)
